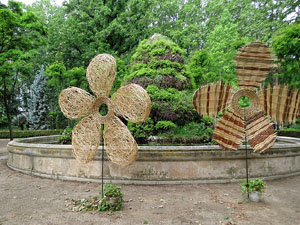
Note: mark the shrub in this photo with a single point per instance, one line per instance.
(66, 137)
(29, 133)
(163, 126)
(289, 132)
(113, 198)
(158, 66)
(254, 185)
(141, 131)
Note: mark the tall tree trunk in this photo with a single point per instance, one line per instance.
(11, 137)
(7, 112)
(7, 109)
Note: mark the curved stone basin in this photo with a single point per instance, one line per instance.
(156, 164)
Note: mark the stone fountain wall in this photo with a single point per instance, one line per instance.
(156, 164)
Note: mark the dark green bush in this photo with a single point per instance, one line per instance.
(29, 133)
(141, 131)
(289, 132)
(163, 126)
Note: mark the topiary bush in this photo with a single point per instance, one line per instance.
(158, 66)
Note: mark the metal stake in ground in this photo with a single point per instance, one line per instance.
(247, 172)
(102, 155)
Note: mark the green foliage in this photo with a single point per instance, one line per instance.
(29, 133)
(60, 120)
(286, 44)
(289, 132)
(3, 122)
(19, 34)
(165, 126)
(141, 131)
(111, 190)
(194, 129)
(38, 102)
(190, 133)
(254, 185)
(66, 137)
(122, 71)
(113, 198)
(199, 68)
(244, 101)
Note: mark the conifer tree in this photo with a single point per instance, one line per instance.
(37, 104)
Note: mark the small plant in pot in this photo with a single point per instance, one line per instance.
(113, 198)
(255, 188)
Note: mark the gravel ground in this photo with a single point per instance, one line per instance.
(32, 200)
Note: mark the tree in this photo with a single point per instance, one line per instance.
(286, 44)
(19, 32)
(38, 102)
(158, 66)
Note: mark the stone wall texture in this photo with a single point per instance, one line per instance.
(156, 164)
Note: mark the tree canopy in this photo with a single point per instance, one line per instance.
(204, 34)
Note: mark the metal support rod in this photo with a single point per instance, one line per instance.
(247, 171)
(102, 155)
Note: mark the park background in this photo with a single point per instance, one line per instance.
(170, 48)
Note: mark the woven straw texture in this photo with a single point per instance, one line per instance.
(212, 98)
(131, 102)
(260, 132)
(101, 74)
(120, 146)
(280, 103)
(229, 132)
(247, 111)
(253, 64)
(75, 102)
(86, 138)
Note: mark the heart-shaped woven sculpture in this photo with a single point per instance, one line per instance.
(130, 102)
(254, 62)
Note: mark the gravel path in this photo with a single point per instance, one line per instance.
(32, 200)
(3, 149)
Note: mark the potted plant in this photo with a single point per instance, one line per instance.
(255, 188)
(113, 198)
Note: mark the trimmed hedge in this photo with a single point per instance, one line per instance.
(289, 133)
(29, 133)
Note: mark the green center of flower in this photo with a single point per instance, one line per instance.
(103, 109)
(244, 101)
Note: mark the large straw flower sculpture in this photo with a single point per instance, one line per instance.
(130, 102)
(254, 62)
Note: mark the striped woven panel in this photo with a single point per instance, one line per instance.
(280, 103)
(230, 131)
(212, 98)
(260, 132)
(254, 62)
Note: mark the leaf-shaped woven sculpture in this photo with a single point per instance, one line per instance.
(254, 62)
(131, 102)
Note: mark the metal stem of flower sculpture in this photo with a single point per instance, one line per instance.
(280, 103)
(130, 102)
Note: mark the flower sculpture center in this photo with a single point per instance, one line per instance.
(102, 100)
(245, 112)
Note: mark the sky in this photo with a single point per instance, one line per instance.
(29, 2)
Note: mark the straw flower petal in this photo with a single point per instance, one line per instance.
(86, 138)
(132, 103)
(120, 145)
(101, 74)
(75, 102)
